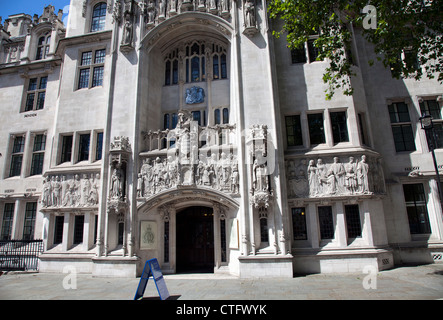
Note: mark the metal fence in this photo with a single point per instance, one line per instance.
(20, 255)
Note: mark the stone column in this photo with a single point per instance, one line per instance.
(313, 236)
(15, 230)
(67, 241)
(340, 224)
(366, 223)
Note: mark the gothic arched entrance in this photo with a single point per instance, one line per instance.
(195, 239)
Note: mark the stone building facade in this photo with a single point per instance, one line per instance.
(184, 131)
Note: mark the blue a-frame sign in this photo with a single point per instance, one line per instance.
(152, 269)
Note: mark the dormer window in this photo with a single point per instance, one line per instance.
(98, 17)
(43, 45)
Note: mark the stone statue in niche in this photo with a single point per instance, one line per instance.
(71, 192)
(194, 95)
(260, 176)
(235, 181)
(151, 12)
(162, 10)
(127, 35)
(173, 8)
(128, 25)
(201, 5)
(116, 190)
(224, 6)
(213, 5)
(250, 18)
(334, 178)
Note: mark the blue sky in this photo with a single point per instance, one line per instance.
(31, 7)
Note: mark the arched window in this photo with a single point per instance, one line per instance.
(98, 17)
(219, 66)
(225, 115)
(171, 69)
(217, 116)
(166, 121)
(195, 62)
(221, 116)
(43, 45)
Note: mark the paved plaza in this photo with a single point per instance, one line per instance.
(402, 283)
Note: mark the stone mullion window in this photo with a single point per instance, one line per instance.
(36, 93)
(7, 221)
(43, 45)
(197, 61)
(91, 69)
(38, 154)
(401, 127)
(29, 222)
(17, 156)
(433, 108)
(416, 208)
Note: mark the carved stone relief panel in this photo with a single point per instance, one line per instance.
(331, 176)
(71, 190)
(219, 172)
(155, 12)
(188, 162)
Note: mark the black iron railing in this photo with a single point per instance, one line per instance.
(20, 254)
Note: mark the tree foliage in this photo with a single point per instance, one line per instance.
(406, 35)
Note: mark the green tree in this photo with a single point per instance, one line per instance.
(406, 35)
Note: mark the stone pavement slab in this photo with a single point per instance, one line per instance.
(402, 283)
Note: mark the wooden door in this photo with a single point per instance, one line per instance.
(195, 240)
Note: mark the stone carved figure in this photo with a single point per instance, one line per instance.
(335, 176)
(235, 181)
(362, 175)
(212, 5)
(260, 177)
(127, 38)
(151, 12)
(250, 18)
(162, 9)
(351, 176)
(94, 191)
(173, 8)
(224, 5)
(128, 27)
(116, 190)
(313, 179)
(322, 177)
(46, 195)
